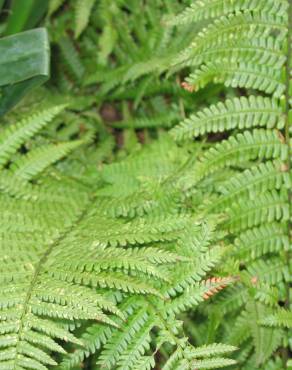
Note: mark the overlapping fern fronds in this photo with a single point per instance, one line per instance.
(247, 45)
(66, 261)
(130, 251)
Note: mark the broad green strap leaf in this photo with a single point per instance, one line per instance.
(24, 64)
(24, 14)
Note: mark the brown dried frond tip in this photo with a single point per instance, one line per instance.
(188, 87)
(216, 284)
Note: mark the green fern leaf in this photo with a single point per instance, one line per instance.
(13, 137)
(212, 363)
(209, 350)
(39, 159)
(238, 113)
(242, 74)
(267, 207)
(255, 180)
(71, 58)
(54, 5)
(82, 13)
(267, 238)
(282, 318)
(237, 149)
(211, 9)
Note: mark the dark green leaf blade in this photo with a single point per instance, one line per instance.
(24, 64)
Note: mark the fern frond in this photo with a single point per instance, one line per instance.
(187, 356)
(135, 352)
(209, 350)
(54, 5)
(146, 362)
(257, 179)
(266, 294)
(71, 58)
(115, 281)
(121, 339)
(242, 74)
(243, 44)
(238, 113)
(14, 136)
(267, 207)
(281, 318)
(267, 238)
(96, 335)
(175, 361)
(271, 271)
(212, 363)
(161, 120)
(42, 296)
(205, 9)
(237, 149)
(114, 256)
(266, 340)
(231, 300)
(15, 187)
(39, 159)
(133, 260)
(260, 51)
(231, 35)
(240, 331)
(143, 231)
(190, 273)
(82, 13)
(197, 293)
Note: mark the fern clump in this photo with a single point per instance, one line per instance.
(74, 256)
(145, 191)
(246, 45)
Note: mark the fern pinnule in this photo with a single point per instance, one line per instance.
(13, 137)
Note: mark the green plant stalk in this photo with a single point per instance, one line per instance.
(288, 123)
(285, 354)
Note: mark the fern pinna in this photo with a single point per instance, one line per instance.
(246, 45)
(85, 271)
